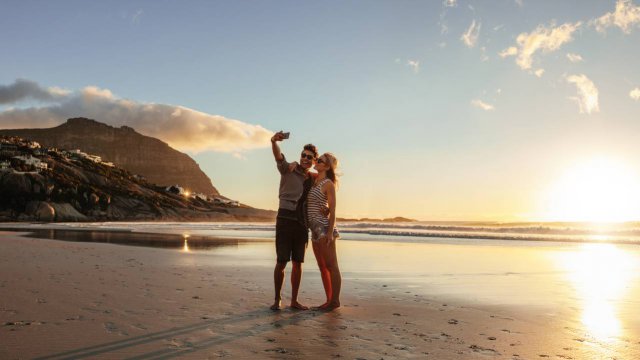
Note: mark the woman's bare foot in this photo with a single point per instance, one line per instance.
(276, 305)
(332, 306)
(298, 306)
(323, 306)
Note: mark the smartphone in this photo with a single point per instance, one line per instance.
(285, 135)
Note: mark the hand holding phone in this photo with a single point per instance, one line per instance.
(285, 135)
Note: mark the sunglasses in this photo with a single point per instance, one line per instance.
(306, 156)
(320, 161)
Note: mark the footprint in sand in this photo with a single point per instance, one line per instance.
(564, 357)
(222, 353)
(110, 327)
(484, 351)
(453, 321)
(277, 350)
(113, 329)
(138, 326)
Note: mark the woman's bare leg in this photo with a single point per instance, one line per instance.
(336, 278)
(324, 272)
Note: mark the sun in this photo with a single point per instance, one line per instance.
(597, 190)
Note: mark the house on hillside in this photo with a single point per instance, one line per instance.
(200, 196)
(228, 202)
(176, 189)
(8, 150)
(29, 160)
(5, 165)
(95, 158)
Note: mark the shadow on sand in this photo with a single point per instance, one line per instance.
(168, 353)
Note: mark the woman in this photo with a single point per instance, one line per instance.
(322, 196)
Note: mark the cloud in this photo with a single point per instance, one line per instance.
(484, 56)
(520, 3)
(574, 58)
(181, 127)
(414, 64)
(135, 19)
(541, 39)
(482, 105)
(539, 72)
(470, 37)
(450, 3)
(587, 97)
(635, 94)
(625, 16)
(22, 90)
(510, 51)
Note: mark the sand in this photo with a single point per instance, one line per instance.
(70, 300)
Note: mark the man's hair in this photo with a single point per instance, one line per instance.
(312, 148)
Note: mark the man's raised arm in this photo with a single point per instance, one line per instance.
(277, 154)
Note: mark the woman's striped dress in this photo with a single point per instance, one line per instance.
(316, 202)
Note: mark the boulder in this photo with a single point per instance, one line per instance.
(18, 183)
(45, 212)
(66, 212)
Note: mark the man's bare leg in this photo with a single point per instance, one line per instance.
(296, 277)
(278, 282)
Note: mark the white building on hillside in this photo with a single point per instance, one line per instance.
(29, 160)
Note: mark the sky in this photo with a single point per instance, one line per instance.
(505, 110)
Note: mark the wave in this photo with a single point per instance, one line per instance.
(371, 231)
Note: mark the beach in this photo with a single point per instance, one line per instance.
(440, 300)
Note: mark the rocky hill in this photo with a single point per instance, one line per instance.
(139, 154)
(77, 189)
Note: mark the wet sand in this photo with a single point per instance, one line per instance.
(73, 300)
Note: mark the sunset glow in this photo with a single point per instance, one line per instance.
(597, 190)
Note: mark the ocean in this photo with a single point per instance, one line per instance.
(405, 232)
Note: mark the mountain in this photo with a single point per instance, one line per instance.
(143, 155)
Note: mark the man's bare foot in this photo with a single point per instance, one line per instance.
(298, 306)
(276, 305)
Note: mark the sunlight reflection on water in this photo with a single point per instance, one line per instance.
(601, 275)
(185, 247)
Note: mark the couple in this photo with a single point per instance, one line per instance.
(307, 201)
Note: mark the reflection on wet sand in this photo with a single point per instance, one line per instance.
(185, 248)
(601, 274)
(183, 242)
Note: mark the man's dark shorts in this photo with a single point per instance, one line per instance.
(291, 240)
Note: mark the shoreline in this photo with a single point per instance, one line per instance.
(81, 299)
(374, 235)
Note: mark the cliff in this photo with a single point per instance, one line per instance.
(155, 160)
(72, 189)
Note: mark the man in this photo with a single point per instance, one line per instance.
(291, 233)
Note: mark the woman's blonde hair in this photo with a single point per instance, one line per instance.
(333, 165)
